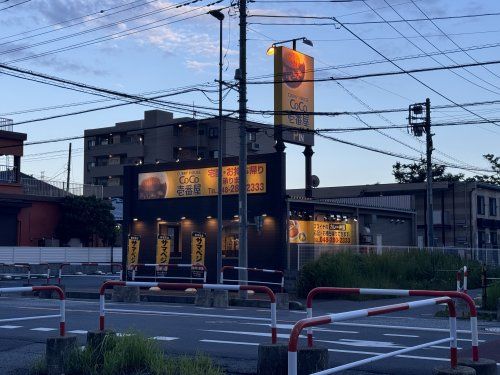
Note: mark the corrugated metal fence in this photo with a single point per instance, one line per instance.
(37, 255)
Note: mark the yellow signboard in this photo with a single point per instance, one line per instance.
(198, 247)
(202, 182)
(163, 246)
(134, 245)
(294, 95)
(320, 232)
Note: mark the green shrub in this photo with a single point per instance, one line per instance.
(493, 294)
(400, 270)
(131, 354)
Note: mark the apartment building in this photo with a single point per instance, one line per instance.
(159, 138)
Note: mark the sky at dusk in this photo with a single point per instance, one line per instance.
(176, 47)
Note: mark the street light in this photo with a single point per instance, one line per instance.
(271, 50)
(218, 14)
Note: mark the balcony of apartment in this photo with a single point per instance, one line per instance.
(105, 170)
(130, 145)
(10, 182)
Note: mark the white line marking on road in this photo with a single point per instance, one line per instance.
(164, 338)
(401, 356)
(260, 334)
(230, 342)
(10, 327)
(78, 332)
(398, 335)
(119, 334)
(42, 329)
(204, 308)
(290, 326)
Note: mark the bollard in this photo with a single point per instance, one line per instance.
(483, 366)
(129, 294)
(204, 298)
(57, 352)
(282, 301)
(273, 359)
(459, 370)
(220, 298)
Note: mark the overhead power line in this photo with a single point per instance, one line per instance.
(335, 21)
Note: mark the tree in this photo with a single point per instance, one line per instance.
(494, 178)
(417, 172)
(86, 217)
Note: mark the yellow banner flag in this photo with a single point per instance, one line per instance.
(134, 245)
(163, 246)
(198, 247)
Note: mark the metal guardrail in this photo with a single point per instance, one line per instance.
(349, 315)
(184, 286)
(8, 173)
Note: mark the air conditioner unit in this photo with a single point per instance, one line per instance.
(253, 146)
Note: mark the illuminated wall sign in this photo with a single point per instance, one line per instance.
(294, 94)
(320, 232)
(202, 182)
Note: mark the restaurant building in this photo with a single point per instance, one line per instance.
(170, 216)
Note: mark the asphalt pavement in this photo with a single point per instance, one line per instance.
(231, 336)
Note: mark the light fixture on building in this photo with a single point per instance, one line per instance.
(110, 176)
(177, 160)
(179, 148)
(209, 217)
(183, 217)
(264, 215)
(157, 161)
(135, 219)
(355, 220)
(158, 219)
(198, 157)
(110, 155)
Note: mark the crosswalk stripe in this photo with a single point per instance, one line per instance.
(42, 329)
(78, 332)
(10, 327)
(165, 338)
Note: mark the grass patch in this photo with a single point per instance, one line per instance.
(493, 294)
(131, 354)
(408, 270)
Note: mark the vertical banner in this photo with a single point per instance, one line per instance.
(198, 247)
(134, 245)
(294, 96)
(163, 246)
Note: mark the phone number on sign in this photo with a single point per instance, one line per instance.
(252, 187)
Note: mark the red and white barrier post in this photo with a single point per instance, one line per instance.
(332, 318)
(402, 293)
(62, 304)
(184, 286)
(262, 270)
(462, 276)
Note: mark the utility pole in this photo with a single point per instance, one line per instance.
(69, 168)
(218, 14)
(242, 195)
(429, 148)
(418, 124)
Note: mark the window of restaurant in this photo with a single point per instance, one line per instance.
(174, 231)
(230, 240)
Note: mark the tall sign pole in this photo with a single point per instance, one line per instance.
(242, 195)
(68, 175)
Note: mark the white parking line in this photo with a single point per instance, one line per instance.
(78, 332)
(10, 327)
(164, 338)
(42, 329)
(290, 326)
(398, 335)
(230, 342)
(401, 356)
(259, 334)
